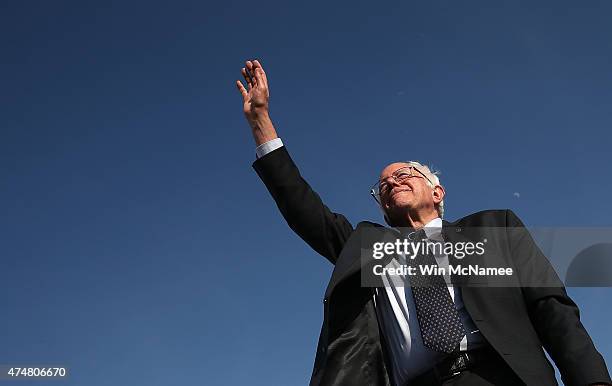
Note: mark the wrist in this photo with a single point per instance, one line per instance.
(263, 129)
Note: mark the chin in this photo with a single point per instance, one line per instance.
(398, 208)
(400, 205)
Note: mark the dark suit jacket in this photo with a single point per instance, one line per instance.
(517, 321)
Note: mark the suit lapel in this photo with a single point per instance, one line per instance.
(360, 243)
(456, 235)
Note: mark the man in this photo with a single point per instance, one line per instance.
(423, 330)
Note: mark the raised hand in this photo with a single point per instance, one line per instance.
(257, 97)
(255, 101)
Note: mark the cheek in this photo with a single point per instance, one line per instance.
(423, 194)
(402, 198)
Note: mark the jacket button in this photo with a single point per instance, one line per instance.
(324, 300)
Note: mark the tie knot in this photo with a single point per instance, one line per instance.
(417, 235)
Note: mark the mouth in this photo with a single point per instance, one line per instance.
(400, 190)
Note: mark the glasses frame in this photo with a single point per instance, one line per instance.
(376, 186)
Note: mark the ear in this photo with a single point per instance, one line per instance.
(438, 194)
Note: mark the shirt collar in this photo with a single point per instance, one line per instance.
(433, 229)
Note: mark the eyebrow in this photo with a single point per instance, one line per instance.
(381, 181)
(396, 170)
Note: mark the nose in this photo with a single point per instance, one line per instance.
(392, 182)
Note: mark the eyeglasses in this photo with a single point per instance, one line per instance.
(383, 187)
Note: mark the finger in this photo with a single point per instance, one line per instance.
(251, 73)
(250, 69)
(258, 65)
(242, 90)
(259, 76)
(247, 78)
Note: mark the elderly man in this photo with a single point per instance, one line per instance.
(409, 333)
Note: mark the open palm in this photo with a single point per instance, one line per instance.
(256, 97)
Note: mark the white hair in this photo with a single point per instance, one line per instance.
(432, 182)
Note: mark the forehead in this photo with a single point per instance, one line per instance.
(391, 168)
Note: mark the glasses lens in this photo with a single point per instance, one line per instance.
(403, 173)
(383, 188)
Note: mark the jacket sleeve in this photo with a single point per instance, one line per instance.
(325, 231)
(553, 313)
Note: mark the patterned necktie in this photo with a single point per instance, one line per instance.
(441, 326)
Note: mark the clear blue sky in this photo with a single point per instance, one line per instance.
(140, 248)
